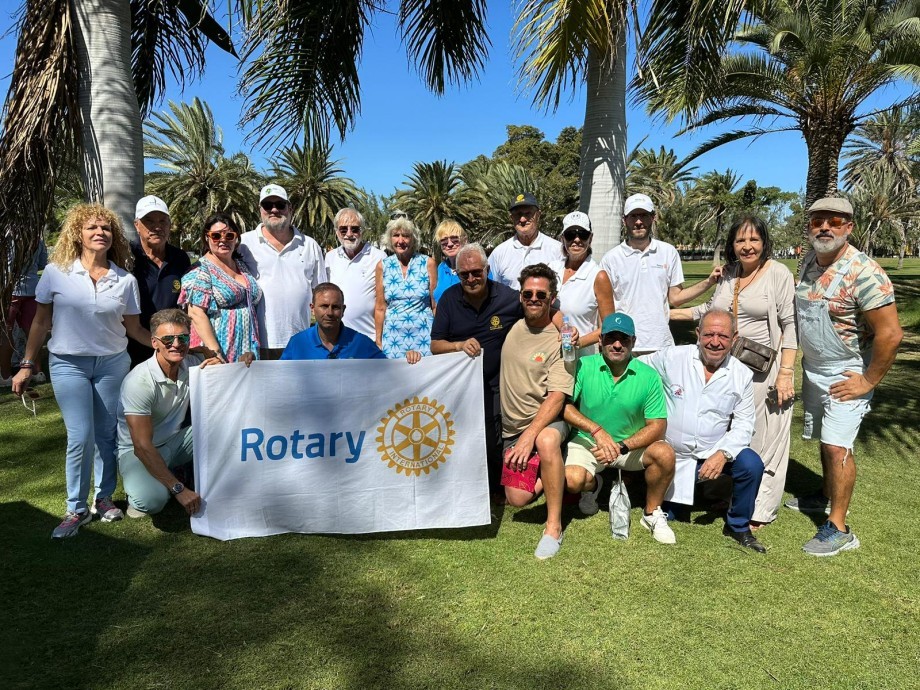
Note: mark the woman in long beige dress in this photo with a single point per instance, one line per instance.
(765, 291)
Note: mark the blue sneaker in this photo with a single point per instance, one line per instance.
(829, 541)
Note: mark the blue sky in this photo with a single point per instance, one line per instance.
(401, 122)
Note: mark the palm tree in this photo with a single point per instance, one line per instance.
(714, 191)
(881, 204)
(882, 143)
(806, 66)
(317, 188)
(198, 179)
(658, 174)
(492, 184)
(435, 191)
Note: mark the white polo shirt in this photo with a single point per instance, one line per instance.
(510, 257)
(699, 411)
(356, 278)
(641, 280)
(287, 279)
(577, 298)
(87, 319)
(148, 392)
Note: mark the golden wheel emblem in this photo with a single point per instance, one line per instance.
(415, 436)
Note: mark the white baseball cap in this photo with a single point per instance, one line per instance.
(638, 201)
(149, 204)
(576, 219)
(272, 190)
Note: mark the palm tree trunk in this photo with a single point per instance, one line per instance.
(824, 143)
(113, 156)
(602, 175)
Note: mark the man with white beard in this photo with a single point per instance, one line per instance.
(849, 335)
(288, 265)
(351, 266)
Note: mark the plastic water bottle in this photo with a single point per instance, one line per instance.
(568, 351)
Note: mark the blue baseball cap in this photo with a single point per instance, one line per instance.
(618, 322)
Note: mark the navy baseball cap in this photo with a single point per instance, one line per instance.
(618, 322)
(525, 199)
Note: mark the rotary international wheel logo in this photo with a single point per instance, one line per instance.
(415, 436)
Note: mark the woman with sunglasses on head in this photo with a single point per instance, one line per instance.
(761, 292)
(91, 302)
(450, 236)
(404, 308)
(585, 293)
(221, 295)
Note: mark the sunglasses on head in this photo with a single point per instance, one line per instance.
(345, 228)
(168, 340)
(474, 273)
(582, 234)
(833, 221)
(534, 294)
(226, 236)
(269, 205)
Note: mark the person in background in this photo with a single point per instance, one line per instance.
(352, 266)
(405, 282)
(585, 294)
(527, 246)
(764, 292)
(221, 295)
(21, 313)
(451, 237)
(90, 301)
(158, 266)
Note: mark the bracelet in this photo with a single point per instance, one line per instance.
(26, 364)
(599, 427)
(788, 369)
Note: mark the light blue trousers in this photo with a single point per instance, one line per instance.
(144, 492)
(86, 389)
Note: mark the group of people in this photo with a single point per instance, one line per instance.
(627, 398)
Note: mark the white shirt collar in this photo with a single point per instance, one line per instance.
(536, 244)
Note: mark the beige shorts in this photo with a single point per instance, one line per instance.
(579, 456)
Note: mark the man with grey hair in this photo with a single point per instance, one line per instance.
(527, 247)
(287, 265)
(474, 317)
(351, 266)
(849, 335)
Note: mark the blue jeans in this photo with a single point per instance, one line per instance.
(144, 492)
(86, 389)
(746, 472)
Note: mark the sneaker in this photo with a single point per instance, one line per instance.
(587, 504)
(106, 510)
(71, 524)
(548, 547)
(812, 503)
(657, 524)
(6, 382)
(135, 513)
(829, 541)
(39, 377)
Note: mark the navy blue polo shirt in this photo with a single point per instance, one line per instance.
(351, 345)
(158, 285)
(456, 319)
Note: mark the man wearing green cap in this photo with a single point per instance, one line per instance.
(619, 411)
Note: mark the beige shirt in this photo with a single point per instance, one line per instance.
(532, 366)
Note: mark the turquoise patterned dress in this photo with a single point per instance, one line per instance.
(231, 308)
(407, 324)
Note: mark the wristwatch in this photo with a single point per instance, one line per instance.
(177, 488)
(624, 449)
(728, 456)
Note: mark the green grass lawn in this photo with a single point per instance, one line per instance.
(147, 604)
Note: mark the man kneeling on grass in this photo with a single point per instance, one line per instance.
(620, 414)
(151, 410)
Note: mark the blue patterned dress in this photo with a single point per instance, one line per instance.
(231, 308)
(407, 324)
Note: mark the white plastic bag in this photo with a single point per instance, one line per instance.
(619, 508)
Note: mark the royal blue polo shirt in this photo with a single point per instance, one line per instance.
(456, 319)
(158, 285)
(351, 345)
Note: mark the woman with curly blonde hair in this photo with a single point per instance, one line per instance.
(90, 301)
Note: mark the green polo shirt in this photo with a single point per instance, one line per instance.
(620, 407)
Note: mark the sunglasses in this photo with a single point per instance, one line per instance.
(582, 234)
(540, 295)
(269, 205)
(227, 236)
(446, 241)
(345, 228)
(833, 221)
(32, 396)
(474, 273)
(169, 340)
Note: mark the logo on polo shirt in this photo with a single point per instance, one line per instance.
(495, 324)
(177, 285)
(415, 436)
(677, 390)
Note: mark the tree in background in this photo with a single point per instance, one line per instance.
(434, 192)
(494, 184)
(884, 143)
(714, 192)
(659, 175)
(316, 187)
(199, 179)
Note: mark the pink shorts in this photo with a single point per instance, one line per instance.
(526, 480)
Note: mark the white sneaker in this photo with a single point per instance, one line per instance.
(587, 504)
(657, 524)
(135, 513)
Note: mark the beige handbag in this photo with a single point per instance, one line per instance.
(758, 358)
